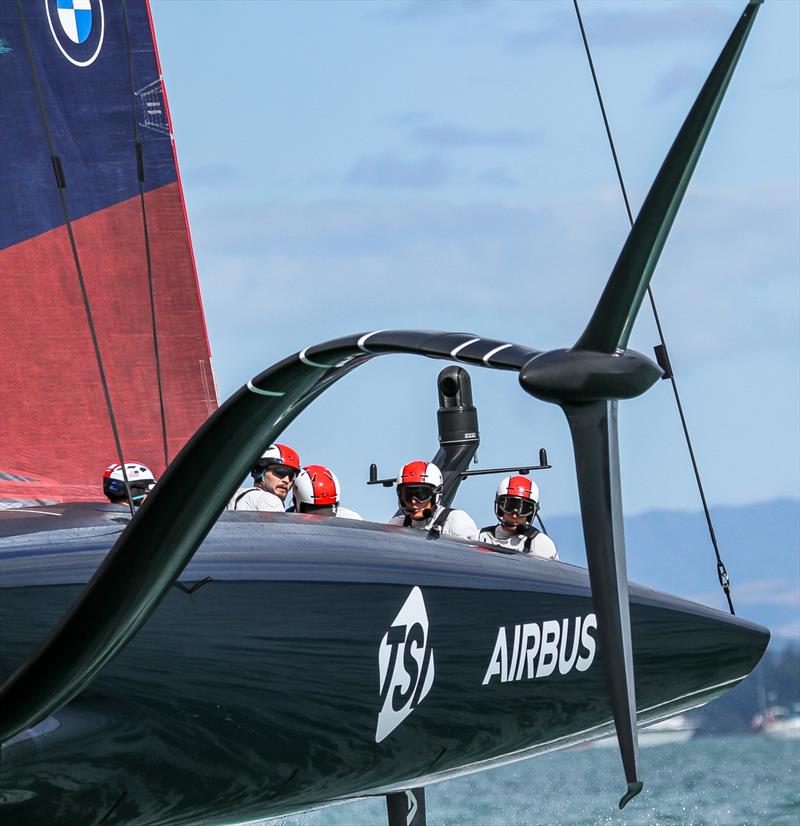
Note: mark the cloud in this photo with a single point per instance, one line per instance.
(788, 629)
(387, 171)
(631, 26)
(727, 253)
(785, 84)
(680, 77)
(409, 118)
(453, 136)
(423, 10)
(782, 592)
(211, 175)
(498, 176)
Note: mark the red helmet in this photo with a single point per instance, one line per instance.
(276, 455)
(516, 495)
(316, 486)
(421, 481)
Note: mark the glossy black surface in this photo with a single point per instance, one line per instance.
(188, 499)
(259, 692)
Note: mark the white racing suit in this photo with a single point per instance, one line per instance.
(532, 542)
(457, 523)
(346, 513)
(255, 499)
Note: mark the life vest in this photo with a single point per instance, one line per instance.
(530, 533)
(437, 526)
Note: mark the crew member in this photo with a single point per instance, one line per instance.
(317, 490)
(419, 492)
(273, 476)
(516, 504)
(140, 481)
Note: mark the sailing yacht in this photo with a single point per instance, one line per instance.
(181, 664)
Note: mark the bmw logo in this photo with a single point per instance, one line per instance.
(78, 27)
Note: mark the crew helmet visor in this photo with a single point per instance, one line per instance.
(516, 505)
(419, 493)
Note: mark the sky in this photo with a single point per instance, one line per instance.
(352, 166)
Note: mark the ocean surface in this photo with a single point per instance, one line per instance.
(712, 781)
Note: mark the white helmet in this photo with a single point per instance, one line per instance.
(316, 488)
(420, 481)
(516, 495)
(140, 481)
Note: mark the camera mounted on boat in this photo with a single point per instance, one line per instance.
(459, 437)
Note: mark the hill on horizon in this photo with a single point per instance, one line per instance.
(671, 551)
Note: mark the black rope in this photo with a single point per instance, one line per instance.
(140, 175)
(541, 524)
(61, 185)
(722, 573)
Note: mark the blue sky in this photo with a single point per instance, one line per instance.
(351, 166)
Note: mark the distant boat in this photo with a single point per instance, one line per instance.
(678, 729)
(779, 722)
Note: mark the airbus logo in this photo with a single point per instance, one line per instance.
(534, 651)
(78, 27)
(405, 665)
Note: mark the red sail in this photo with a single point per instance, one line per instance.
(84, 120)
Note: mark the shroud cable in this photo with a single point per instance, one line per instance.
(722, 573)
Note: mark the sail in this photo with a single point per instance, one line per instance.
(95, 254)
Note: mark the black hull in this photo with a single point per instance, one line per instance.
(258, 693)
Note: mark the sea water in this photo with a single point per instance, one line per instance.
(731, 781)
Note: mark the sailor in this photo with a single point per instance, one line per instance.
(516, 504)
(273, 476)
(419, 491)
(140, 481)
(317, 490)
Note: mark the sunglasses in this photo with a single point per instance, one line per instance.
(282, 472)
(421, 493)
(515, 504)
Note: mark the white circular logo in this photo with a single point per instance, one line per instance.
(77, 27)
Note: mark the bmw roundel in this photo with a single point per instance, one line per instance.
(77, 27)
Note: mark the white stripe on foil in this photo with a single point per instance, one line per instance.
(311, 363)
(363, 339)
(454, 352)
(494, 352)
(251, 386)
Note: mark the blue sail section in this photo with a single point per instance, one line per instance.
(97, 93)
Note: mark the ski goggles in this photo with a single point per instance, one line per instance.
(282, 471)
(419, 493)
(516, 504)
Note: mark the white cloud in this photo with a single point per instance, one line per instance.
(782, 592)
(635, 26)
(388, 171)
(540, 269)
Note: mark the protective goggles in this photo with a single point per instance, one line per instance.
(516, 504)
(139, 491)
(116, 487)
(282, 471)
(419, 493)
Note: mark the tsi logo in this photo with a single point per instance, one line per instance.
(405, 665)
(77, 27)
(536, 651)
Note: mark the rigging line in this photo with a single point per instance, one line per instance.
(140, 175)
(60, 185)
(722, 573)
